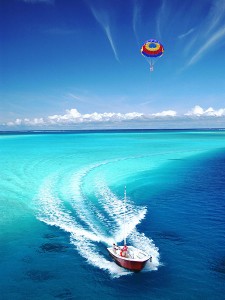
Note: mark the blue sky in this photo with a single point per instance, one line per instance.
(77, 64)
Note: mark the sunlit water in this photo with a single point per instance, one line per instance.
(61, 204)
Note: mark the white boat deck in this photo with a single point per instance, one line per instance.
(131, 254)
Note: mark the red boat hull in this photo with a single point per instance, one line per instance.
(131, 265)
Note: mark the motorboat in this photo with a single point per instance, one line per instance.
(128, 257)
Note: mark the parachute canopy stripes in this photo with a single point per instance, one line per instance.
(152, 50)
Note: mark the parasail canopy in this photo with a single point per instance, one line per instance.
(152, 50)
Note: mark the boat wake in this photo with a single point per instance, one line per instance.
(92, 220)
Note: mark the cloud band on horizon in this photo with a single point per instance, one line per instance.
(74, 117)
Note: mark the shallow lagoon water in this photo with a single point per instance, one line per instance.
(61, 205)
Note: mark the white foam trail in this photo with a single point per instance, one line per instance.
(115, 208)
(53, 212)
(77, 200)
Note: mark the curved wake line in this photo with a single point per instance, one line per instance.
(52, 212)
(115, 209)
(87, 228)
(78, 201)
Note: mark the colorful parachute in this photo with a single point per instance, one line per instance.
(152, 50)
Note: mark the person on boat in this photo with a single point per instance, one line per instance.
(115, 247)
(125, 248)
(123, 251)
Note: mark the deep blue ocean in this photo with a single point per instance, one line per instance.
(61, 205)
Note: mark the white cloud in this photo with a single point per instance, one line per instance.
(210, 112)
(196, 117)
(196, 111)
(73, 116)
(166, 113)
(27, 121)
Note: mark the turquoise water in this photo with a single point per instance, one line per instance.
(61, 204)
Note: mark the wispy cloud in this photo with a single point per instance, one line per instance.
(75, 97)
(79, 98)
(161, 18)
(207, 45)
(102, 18)
(211, 34)
(136, 17)
(186, 33)
(216, 14)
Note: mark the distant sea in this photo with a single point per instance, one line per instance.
(61, 205)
